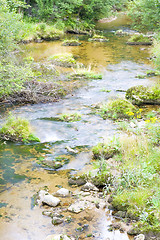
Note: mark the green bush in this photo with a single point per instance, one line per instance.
(12, 76)
(17, 130)
(118, 109)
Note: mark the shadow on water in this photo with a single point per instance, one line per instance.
(22, 171)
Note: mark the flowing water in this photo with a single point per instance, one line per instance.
(22, 176)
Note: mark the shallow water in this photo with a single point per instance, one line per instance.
(22, 176)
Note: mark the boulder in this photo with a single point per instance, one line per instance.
(46, 198)
(62, 192)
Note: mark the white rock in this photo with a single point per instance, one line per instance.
(62, 192)
(50, 200)
(79, 206)
(139, 237)
(89, 187)
(59, 237)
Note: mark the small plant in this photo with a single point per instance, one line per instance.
(63, 60)
(118, 109)
(98, 38)
(17, 130)
(71, 42)
(73, 117)
(106, 151)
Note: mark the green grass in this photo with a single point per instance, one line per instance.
(64, 60)
(17, 130)
(72, 117)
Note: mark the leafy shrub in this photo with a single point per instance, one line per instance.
(116, 109)
(17, 130)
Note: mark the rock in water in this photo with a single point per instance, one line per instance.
(62, 192)
(50, 200)
(46, 198)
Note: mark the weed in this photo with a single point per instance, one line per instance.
(17, 130)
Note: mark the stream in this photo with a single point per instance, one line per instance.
(22, 175)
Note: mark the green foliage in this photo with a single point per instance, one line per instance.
(137, 38)
(156, 52)
(17, 130)
(10, 27)
(118, 108)
(145, 14)
(13, 75)
(106, 151)
(73, 117)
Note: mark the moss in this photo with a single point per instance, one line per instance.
(71, 42)
(98, 38)
(140, 95)
(17, 130)
(73, 117)
(63, 60)
(140, 39)
(118, 109)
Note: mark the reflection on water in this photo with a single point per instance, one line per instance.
(20, 173)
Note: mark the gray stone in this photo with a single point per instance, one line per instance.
(89, 187)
